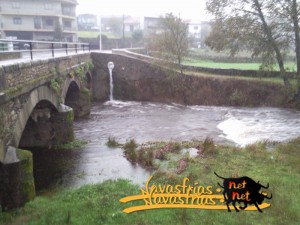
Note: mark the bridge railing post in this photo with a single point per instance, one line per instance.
(30, 48)
(66, 44)
(52, 49)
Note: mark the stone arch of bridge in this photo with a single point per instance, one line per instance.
(42, 93)
(66, 87)
(76, 96)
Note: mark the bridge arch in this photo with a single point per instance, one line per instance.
(76, 96)
(37, 95)
(66, 86)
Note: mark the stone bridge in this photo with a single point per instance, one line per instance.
(38, 101)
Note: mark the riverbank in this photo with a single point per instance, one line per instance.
(276, 164)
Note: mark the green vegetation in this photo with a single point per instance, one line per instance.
(26, 168)
(276, 164)
(56, 85)
(76, 144)
(95, 34)
(112, 143)
(130, 150)
(230, 65)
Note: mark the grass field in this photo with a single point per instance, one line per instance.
(94, 34)
(277, 165)
(242, 66)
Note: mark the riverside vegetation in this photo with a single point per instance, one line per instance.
(273, 163)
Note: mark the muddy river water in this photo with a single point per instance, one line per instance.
(152, 122)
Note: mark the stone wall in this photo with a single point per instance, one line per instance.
(138, 80)
(13, 76)
(9, 55)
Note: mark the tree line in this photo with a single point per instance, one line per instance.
(266, 28)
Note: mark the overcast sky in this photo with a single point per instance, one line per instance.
(187, 9)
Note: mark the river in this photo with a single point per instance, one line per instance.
(144, 121)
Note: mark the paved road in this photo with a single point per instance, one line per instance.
(25, 56)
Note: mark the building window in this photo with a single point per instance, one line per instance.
(48, 6)
(17, 20)
(66, 10)
(195, 27)
(49, 22)
(15, 5)
(67, 24)
(37, 23)
(131, 28)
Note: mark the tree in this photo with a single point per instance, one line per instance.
(137, 36)
(253, 25)
(116, 25)
(172, 41)
(288, 12)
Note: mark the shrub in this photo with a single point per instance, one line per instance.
(130, 151)
(112, 143)
(237, 97)
(175, 147)
(208, 146)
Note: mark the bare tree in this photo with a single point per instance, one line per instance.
(171, 42)
(288, 12)
(253, 25)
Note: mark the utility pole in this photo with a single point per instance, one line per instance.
(123, 37)
(100, 33)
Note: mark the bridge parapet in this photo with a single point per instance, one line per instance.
(15, 77)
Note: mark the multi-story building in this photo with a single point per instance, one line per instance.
(39, 19)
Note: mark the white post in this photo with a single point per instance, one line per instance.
(100, 32)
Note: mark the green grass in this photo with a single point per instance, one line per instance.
(94, 34)
(76, 144)
(99, 204)
(276, 80)
(240, 66)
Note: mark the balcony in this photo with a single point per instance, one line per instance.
(69, 29)
(67, 11)
(70, 1)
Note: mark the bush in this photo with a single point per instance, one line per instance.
(209, 147)
(237, 97)
(130, 151)
(112, 143)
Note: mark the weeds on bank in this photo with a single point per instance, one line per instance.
(76, 144)
(112, 143)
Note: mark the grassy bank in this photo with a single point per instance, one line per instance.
(277, 165)
(224, 65)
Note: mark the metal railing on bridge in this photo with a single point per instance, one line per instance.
(41, 49)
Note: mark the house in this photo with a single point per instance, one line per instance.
(131, 24)
(87, 22)
(150, 25)
(39, 20)
(195, 29)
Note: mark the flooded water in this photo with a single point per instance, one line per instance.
(152, 122)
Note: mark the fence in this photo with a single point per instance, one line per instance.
(38, 49)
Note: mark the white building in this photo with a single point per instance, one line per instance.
(37, 19)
